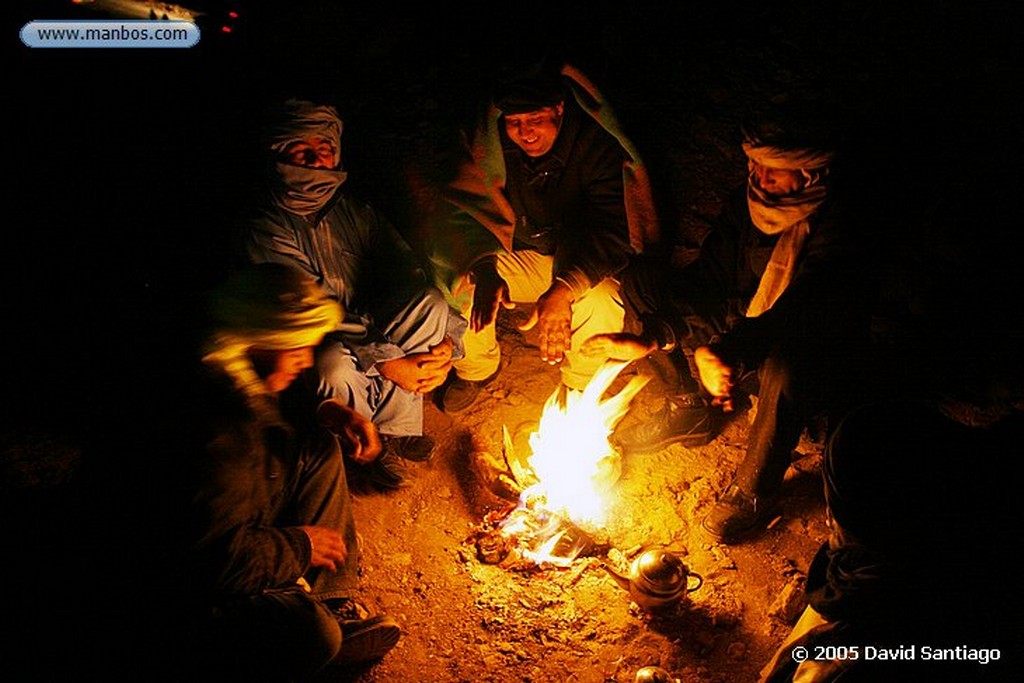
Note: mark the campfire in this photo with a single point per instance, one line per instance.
(565, 479)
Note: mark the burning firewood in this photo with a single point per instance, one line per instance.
(494, 474)
(560, 483)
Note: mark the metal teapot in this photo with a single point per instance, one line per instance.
(657, 578)
(654, 674)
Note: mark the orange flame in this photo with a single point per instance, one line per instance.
(572, 459)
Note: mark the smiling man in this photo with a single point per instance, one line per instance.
(555, 203)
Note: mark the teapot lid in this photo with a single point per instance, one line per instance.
(661, 568)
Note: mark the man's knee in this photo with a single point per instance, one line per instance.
(424, 322)
(435, 306)
(600, 309)
(337, 373)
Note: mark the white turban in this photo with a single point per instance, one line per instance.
(787, 216)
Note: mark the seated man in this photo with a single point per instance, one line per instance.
(910, 584)
(399, 335)
(538, 214)
(775, 304)
(260, 538)
(920, 486)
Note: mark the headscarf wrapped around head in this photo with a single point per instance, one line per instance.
(791, 159)
(267, 306)
(774, 214)
(786, 215)
(299, 189)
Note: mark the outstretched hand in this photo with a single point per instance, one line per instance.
(356, 434)
(716, 376)
(489, 294)
(617, 346)
(553, 317)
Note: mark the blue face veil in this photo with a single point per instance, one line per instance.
(299, 189)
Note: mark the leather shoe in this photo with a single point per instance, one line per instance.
(414, 448)
(685, 419)
(739, 515)
(364, 638)
(457, 394)
(390, 471)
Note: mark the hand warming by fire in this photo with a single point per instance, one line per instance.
(570, 470)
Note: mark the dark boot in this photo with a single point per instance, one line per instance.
(414, 448)
(686, 419)
(389, 471)
(457, 394)
(739, 515)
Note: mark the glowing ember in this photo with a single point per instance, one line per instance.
(575, 467)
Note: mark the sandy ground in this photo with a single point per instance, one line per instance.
(465, 619)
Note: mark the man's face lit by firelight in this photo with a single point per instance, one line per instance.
(778, 182)
(313, 151)
(535, 132)
(280, 368)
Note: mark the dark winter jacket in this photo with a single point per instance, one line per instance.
(569, 203)
(233, 466)
(828, 300)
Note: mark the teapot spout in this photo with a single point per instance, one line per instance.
(619, 578)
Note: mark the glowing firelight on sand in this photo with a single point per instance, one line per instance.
(574, 463)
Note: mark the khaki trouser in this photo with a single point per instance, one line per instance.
(528, 275)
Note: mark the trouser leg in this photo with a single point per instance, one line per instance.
(278, 635)
(599, 311)
(482, 351)
(421, 323)
(795, 385)
(775, 431)
(318, 496)
(528, 275)
(417, 327)
(392, 409)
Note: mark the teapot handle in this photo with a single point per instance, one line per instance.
(700, 581)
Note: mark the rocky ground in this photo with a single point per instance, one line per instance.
(130, 165)
(467, 619)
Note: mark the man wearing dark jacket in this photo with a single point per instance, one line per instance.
(540, 217)
(775, 305)
(911, 582)
(260, 535)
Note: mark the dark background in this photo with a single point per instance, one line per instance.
(126, 169)
(128, 165)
